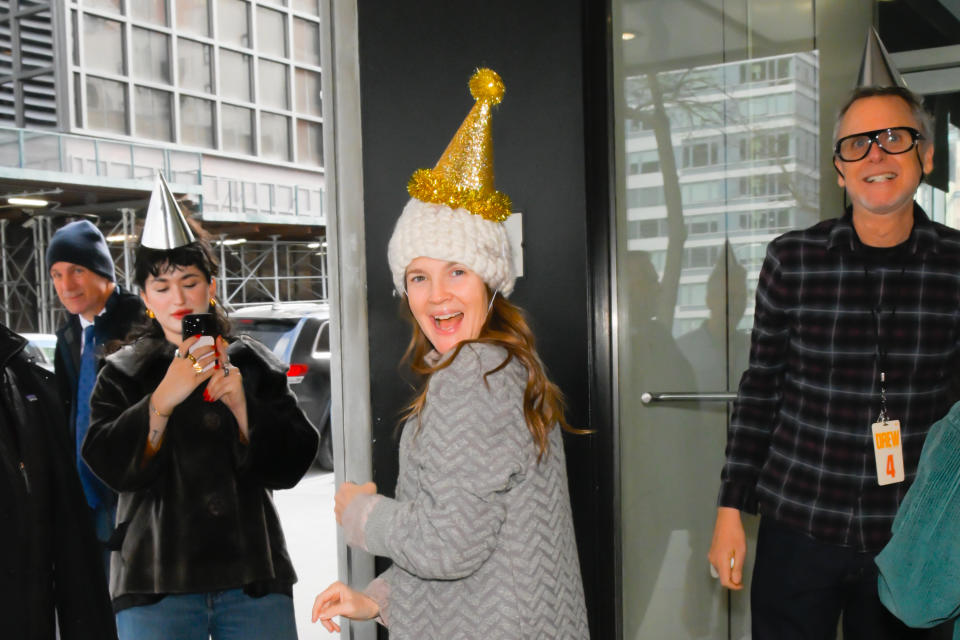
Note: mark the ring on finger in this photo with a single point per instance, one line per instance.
(226, 370)
(197, 367)
(177, 354)
(192, 358)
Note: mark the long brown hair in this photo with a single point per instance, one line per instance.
(506, 326)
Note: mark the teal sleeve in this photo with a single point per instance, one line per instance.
(920, 567)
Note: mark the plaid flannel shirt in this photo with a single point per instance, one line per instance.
(799, 445)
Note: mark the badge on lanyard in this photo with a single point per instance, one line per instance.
(887, 448)
(888, 451)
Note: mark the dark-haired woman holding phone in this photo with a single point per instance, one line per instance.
(194, 438)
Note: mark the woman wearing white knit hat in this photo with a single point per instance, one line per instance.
(480, 532)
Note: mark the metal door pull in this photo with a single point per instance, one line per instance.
(714, 396)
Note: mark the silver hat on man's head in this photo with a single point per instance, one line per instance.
(165, 227)
(876, 68)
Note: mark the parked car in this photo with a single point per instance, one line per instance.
(299, 334)
(41, 349)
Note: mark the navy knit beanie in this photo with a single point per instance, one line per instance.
(81, 243)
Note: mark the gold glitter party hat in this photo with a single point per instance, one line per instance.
(463, 177)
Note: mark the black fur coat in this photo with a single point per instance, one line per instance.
(198, 516)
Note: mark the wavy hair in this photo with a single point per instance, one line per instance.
(506, 326)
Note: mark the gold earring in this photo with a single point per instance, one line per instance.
(213, 302)
(151, 314)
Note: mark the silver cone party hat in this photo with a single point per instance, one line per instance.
(164, 227)
(876, 68)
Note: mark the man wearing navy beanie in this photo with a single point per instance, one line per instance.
(99, 311)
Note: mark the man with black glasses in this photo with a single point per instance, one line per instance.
(854, 355)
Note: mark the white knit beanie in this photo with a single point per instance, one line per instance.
(427, 230)
(455, 214)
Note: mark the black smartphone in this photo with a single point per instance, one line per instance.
(203, 324)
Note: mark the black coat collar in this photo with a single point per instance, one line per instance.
(10, 344)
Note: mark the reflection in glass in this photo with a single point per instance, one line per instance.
(273, 85)
(741, 163)
(154, 11)
(310, 142)
(235, 75)
(308, 92)
(233, 22)
(236, 129)
(718, 154)
(716, 348)
(103, 44)
(193, 16)
(106, 105)
(306, 41)
(271, 32)
(274, 136)
(153, 111)
(151, 55)
(193, 65)
(196, 122)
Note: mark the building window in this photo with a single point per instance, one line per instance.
(193, 16)
(233, 22)
(78, 100)
(306, 41)
(196, 122)
(308, 92)
(106, 105)
(274, 136)
(273, 85)
(271, 32)
(236, 126)
(153, 114)
(247, 78)
(103, 44)
(154, 12)
(307, 6)
(309, 142)
(235, 75)
(645, 197)
(193, 65)
(151, 56)
(104, 5)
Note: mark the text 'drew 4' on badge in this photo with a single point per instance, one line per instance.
(888, 451)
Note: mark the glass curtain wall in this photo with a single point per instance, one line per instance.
(718, 143)
(187, 71)
(724, 111)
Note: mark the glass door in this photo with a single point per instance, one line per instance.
(717, 148)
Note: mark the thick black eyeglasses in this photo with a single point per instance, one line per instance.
(894, 140)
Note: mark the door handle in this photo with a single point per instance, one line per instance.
(648, 397)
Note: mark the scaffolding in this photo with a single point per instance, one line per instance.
(251, 271)
(274, 271)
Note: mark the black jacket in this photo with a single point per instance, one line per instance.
(50, 558)
(198, 516)
(123, 311)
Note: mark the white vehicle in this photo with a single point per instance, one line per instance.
(41, 348)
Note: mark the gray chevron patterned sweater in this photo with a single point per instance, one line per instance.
(480, 534)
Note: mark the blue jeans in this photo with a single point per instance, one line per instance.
(221, 615)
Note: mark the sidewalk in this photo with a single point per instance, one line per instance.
(306, 513)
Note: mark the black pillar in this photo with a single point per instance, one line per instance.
(416, 57)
